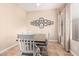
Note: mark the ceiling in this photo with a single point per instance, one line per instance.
(39, 6)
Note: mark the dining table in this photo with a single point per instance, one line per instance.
(37, 37)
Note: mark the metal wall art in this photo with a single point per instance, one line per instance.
(41, 22)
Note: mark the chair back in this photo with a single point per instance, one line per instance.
(26, 43)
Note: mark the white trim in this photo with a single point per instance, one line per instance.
(73, 53)
(53, 40)
(8, 48)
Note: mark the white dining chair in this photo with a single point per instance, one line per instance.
(28, 46)
(42, 43)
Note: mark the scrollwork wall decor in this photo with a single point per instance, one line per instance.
(41, 22)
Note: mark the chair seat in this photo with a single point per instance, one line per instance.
(27, 54)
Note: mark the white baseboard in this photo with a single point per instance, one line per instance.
(73, 53)
(53, 40)
(8, 48)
